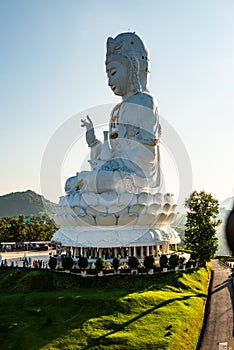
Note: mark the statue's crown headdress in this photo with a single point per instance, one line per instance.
(129, 45)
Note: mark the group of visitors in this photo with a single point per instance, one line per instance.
(25, 263)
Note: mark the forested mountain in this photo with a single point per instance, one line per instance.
(27, 203)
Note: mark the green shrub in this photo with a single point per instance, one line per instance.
(163, 260)
(174, 260)
(193, 256)
(100, 264)
(149, 262)
(52, 263)
(83, 262)
(115, 263)
(67, 263)
(182, 260)
(190, 263)
(133, 262)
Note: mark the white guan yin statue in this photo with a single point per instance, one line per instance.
(134, 125)
(123, 186)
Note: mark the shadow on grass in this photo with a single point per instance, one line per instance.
(102, 339)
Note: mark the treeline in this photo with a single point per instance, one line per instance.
(26, 229)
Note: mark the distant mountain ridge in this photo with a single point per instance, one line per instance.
(27, 203)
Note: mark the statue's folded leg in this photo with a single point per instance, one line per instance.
(105, 180)
(100, 181)
(109, 181)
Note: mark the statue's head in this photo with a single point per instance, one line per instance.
(128, 49)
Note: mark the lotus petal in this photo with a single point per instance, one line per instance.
(154, 209)
(145, 219)
(106, 220)
(137, 208)
(127, 219)
(96, 209)
(118, 209)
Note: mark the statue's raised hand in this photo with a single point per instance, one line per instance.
(90, 134)
(87, 123)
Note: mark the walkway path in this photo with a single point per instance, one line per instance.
(21, 253)
(219, 325)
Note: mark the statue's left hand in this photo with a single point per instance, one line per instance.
(90, 134)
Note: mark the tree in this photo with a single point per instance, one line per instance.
(163, 261)
(100, 264)
(181, 260)
(3, 230)
(52, 262)
(174, 260)
(33, 228)
(83, 262)
(115, 263)
(67, 263)
(35, 231)
(16, 231)
(133, 262)
(149, 262)
(200, 227)
(40, 228)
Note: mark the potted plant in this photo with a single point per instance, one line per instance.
(67, 263)
(182, 262)
(133, 264)
(100, 264)
(52, 263)
(83, 264)
(174, 261)
(115, 264)
(149, 264)
(163, 262)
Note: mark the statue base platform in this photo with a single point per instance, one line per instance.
(111, 220)
(115, 236)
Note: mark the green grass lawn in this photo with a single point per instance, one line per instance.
(45, 310)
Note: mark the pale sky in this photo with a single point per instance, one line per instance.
(52, 67)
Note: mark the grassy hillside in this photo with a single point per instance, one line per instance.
(26, 203)
(45, 310)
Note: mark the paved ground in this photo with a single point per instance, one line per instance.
(219, 326)
(21, 254)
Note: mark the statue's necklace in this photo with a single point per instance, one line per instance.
(114, 123)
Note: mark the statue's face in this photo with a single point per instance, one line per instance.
(118, 78)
